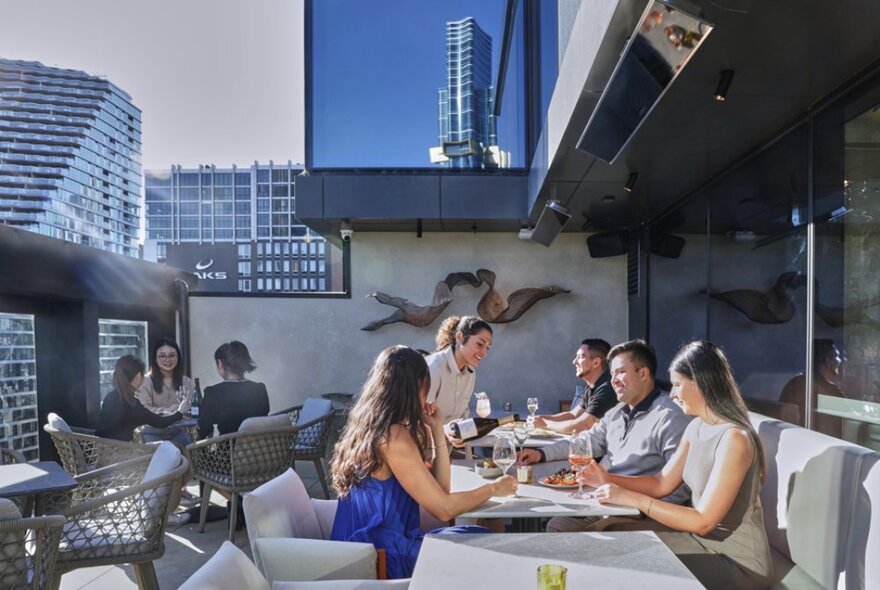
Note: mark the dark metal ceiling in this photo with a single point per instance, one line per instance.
(787, 56)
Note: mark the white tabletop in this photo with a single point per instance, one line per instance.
(532, 500)
(532, 442)
(594, 560)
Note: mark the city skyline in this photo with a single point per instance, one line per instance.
(188, 66)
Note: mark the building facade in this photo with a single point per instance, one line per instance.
(251, 208)
(70, 156)
(465, 106)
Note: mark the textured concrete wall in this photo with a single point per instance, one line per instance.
(307, 347)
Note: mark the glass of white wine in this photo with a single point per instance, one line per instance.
(484, 407)
(532, 405)
(504, 451)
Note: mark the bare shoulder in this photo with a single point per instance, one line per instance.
(399, 436)
(737, 443)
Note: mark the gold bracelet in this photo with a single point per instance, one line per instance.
(648, 511)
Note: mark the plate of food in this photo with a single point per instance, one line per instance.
(563, 479)
(543, 433)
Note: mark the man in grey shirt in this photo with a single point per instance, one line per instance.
(637, 436)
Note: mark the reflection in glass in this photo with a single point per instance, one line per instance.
(847, 306)
(377, 75)
(656, 53)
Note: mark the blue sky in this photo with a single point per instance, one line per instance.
(377, 69)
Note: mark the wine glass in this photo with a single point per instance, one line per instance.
(532, 405)
(580, 453)
(504, 451)
(520, 433)
(484, 407)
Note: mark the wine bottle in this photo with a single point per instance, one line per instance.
(476, 427)
(196, 400)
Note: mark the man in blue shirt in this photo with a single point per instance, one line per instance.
(597, 397)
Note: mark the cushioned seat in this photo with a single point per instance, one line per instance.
(808, 501)
(863, 554)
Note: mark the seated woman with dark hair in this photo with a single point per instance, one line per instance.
(121, 412)
(387, 464)
(163, 390)
(227, 404)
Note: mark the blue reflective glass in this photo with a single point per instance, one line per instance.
(391, 88)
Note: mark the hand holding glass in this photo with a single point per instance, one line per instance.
(580, 453)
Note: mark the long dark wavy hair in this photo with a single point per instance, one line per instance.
(390, 395)
(127, 368)
(469, 325)
(705, 363)
(156, 372)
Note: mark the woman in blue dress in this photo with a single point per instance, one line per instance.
(392, 458)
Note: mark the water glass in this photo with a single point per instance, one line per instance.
(551, 577)
(504, 451)
(484, 408)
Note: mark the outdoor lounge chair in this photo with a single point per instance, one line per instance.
(81, 451)
(241, 461)
(28, 548)
(117, 514)
(315, 418)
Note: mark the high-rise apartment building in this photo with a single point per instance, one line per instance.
(466, 121)
(70, 156)
(252, 210)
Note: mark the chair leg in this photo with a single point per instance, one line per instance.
(320, 469)
(145, 574)
(206, 502)
(233, 516)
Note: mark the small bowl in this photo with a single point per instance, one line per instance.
(488, 472)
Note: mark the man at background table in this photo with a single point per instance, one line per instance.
(636, 437)
(588, 406)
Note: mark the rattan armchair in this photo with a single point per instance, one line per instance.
(114, 517)
(28, 550)
(8, 456)
(311, 442)
(81, 451)
(239, 462)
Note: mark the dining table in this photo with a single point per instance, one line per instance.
(533, 501)
(538, 438)
(34, 480)
(618, 560)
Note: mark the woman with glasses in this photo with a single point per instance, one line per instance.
(165, 390)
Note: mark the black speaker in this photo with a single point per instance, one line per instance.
(666, 245)
(553, 218)
(606, 244)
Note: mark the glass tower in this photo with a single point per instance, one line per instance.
(70, 156)
(466, 123)
(250, 207)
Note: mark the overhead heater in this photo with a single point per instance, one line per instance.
(655, 55)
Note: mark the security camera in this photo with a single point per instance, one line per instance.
(346, 234)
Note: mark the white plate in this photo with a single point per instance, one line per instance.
(557, 486)
(542, 433)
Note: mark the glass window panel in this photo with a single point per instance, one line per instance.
(846, 352)
(243, 178)
(417, 115)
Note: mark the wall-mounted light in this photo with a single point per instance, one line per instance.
(726, 77)
(631, 182)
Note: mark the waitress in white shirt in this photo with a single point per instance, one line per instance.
(462, 344)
